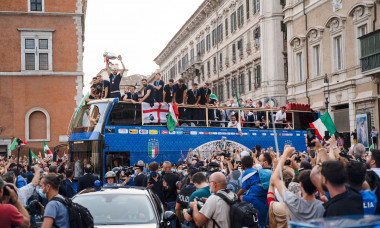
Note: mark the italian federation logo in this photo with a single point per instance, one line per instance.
(153, 148)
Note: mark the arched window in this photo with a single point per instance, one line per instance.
(37, 125)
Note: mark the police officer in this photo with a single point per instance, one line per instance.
(110, 179)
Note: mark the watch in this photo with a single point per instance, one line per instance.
(334, 147)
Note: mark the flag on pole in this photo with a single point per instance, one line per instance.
(47, 151)
(237, 99)
(172, 120)
(31, 156)
(14, 144)
(371, 147)
(325, 123)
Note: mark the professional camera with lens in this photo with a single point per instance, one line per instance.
(344, 154)
(200, 204)
(127, 171)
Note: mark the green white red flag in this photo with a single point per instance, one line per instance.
(323, 124)
(172, 121)
(47, 151)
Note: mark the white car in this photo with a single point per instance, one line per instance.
(125, 207)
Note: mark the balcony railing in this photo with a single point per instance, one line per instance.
(370, 51)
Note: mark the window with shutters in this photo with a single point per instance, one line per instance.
(228, 88)
(241, 83)
(233, 22)
(240, 16)
(214, 63)
(208, 67)
(220, 33)
(36, 5)
(213, 37)
(36, 51)
(247, 8)
(226, 26)
(208, 45)
(233, 51)
(249, 80)
(256, 6)
(257, 76)
(220, 92)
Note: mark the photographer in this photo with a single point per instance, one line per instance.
(11, 215)
(203, 191)
(215, 212)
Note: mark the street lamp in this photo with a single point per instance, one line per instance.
(326, 84)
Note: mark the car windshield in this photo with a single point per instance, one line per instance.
(111, 209)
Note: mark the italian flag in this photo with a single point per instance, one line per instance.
(324, 123)
(47, 151)
(172, 120)
(153, 151)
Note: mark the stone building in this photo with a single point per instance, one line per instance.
(235, 45)
(41, 70)
(324, 55)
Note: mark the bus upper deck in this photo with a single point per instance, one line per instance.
(108, 131)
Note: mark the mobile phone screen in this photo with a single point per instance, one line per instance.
(310, 137)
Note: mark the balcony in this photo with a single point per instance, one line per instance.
(370, 52)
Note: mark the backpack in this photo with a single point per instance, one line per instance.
(242, 214)
(79, 216)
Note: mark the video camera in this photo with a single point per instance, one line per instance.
(127, 171)
(200, 204)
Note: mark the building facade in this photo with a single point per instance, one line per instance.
(235, 45)
(41, 70)
(324, 56)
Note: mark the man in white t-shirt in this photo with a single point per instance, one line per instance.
(215, 210)
(235, 123)
(281, 117)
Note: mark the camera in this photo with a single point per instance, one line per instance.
(297, 158)
(200, 204)
(287, 162)
(127, 171)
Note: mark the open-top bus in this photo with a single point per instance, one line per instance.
(112, 133)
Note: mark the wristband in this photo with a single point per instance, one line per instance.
(334, 147)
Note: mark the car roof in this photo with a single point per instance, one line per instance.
(114, 190)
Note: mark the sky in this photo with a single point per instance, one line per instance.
(138, 30)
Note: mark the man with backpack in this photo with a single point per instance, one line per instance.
(215, 210)
(60, 211)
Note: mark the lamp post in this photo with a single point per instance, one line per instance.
(326, 84)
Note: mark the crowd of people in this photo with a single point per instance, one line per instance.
(324, 181)
(196, 96)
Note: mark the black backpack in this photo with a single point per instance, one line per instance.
(242, 214)
(79, 216)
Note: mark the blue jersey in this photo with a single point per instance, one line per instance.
(369, 202)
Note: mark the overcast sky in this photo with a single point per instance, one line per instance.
(136, 29)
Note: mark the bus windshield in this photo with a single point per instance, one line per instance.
(90, 118)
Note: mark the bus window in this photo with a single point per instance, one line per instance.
(117, 159)
(90, 118)
(125, 114)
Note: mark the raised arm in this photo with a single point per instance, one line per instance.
(122, 64)
(276, 180)
(108, 69)
(184, 96)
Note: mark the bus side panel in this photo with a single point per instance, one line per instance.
(175, 145)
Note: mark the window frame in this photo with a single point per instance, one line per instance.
(36, 36)
(42, 6)
(317, 61)
(299, 64)
(27, 124)
(338, 61)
